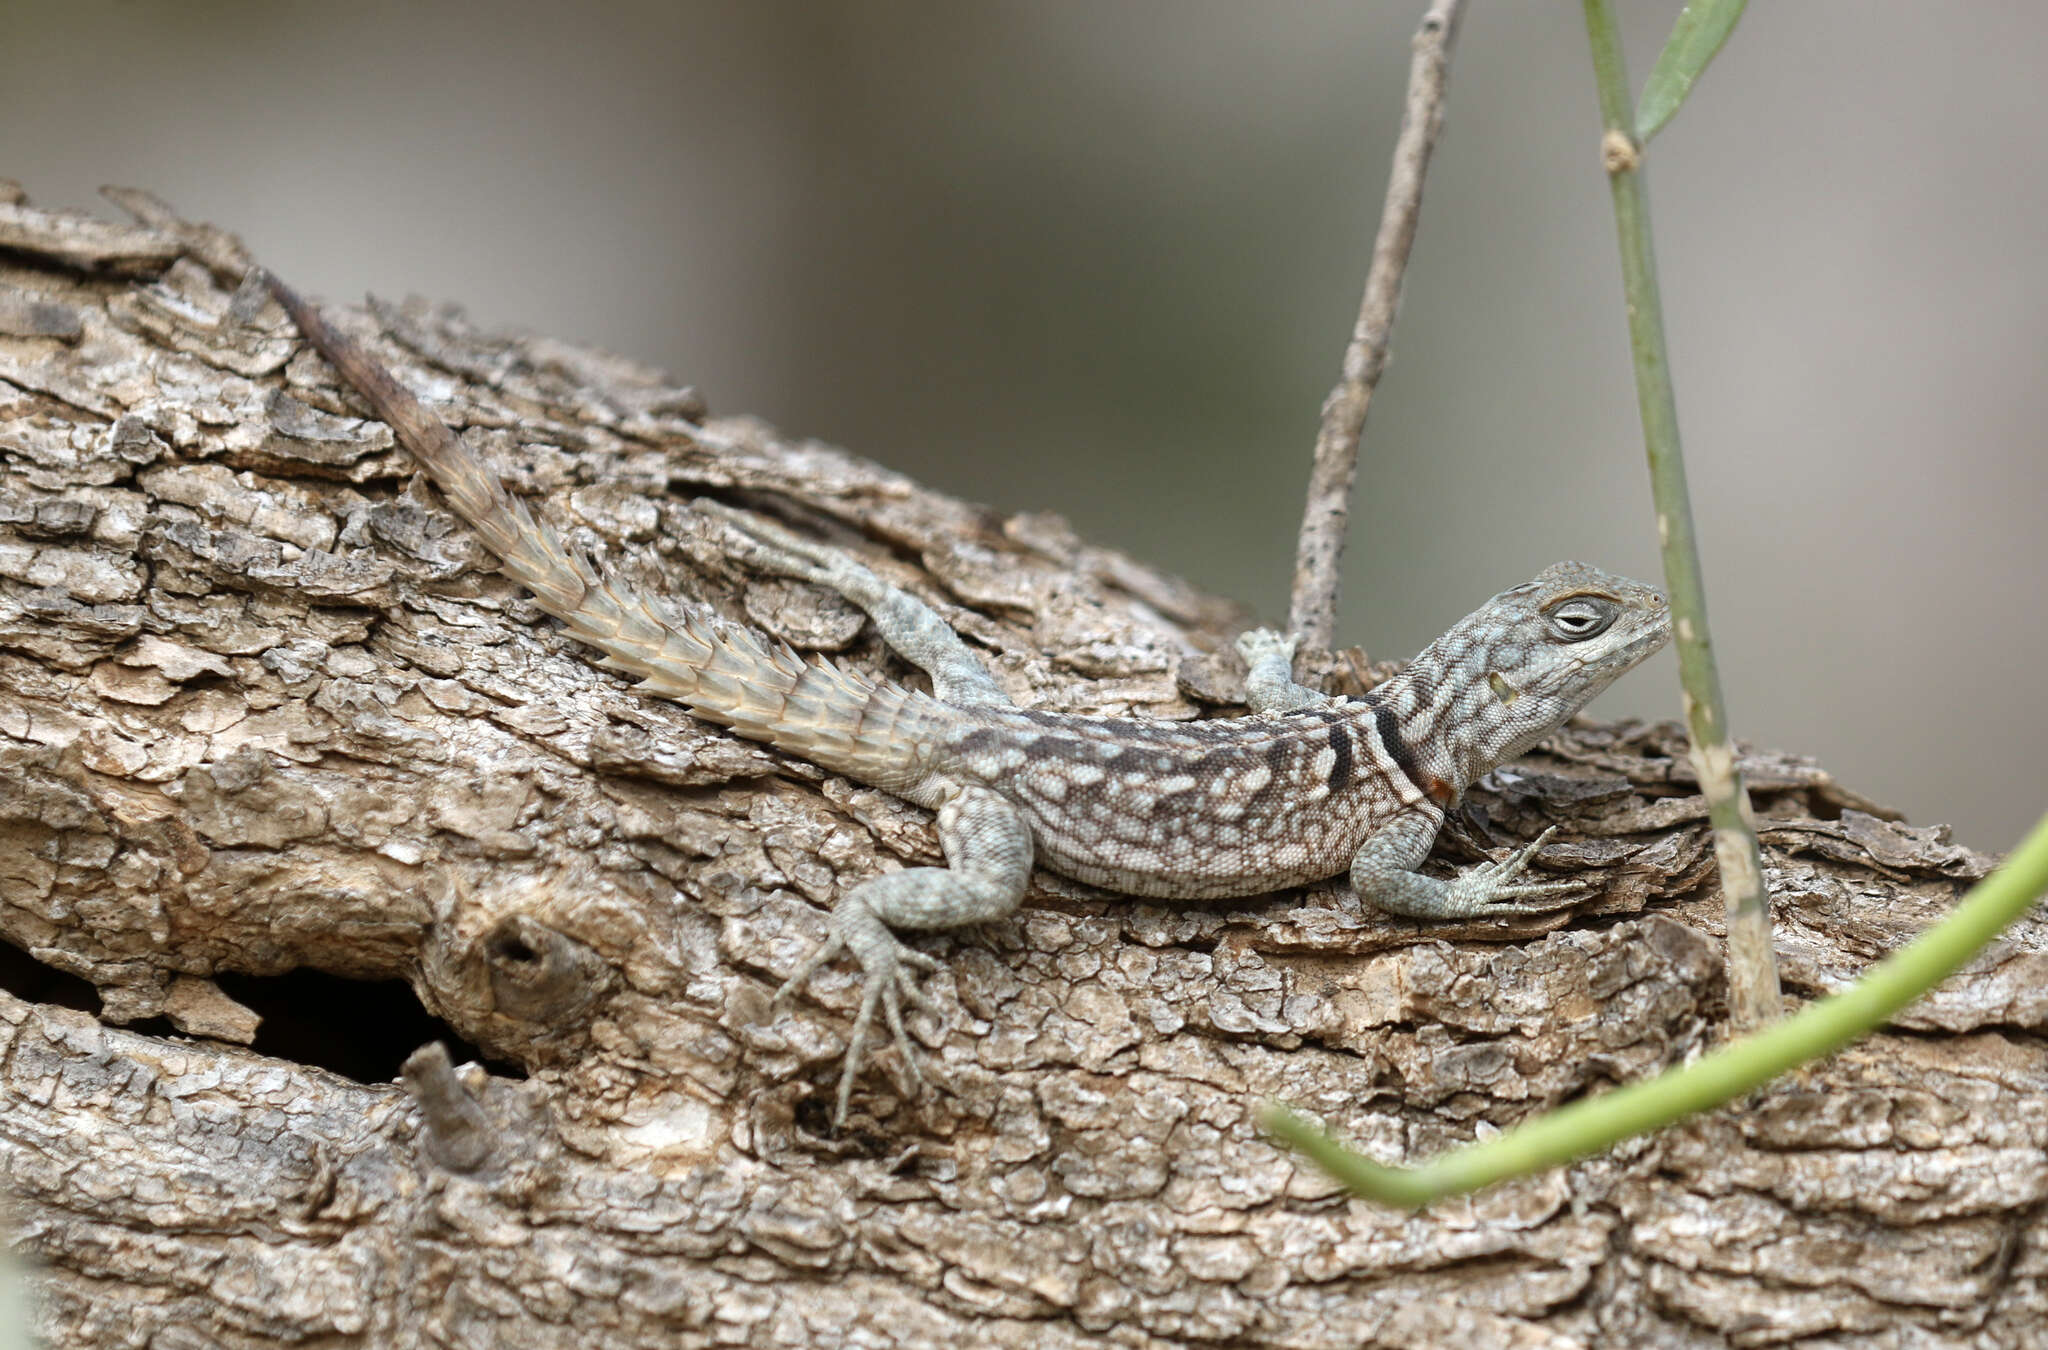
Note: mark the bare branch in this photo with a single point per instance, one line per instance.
(1312, 612)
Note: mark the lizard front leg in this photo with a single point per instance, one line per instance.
(1383, 872)
(988, 856)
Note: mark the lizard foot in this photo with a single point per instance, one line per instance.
(1263, 644)
(1269, 685)
(1490, 889)
(888, 981)
(776, 549)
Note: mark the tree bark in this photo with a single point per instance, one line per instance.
(265, 708)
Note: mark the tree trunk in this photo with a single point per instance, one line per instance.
(266, 710)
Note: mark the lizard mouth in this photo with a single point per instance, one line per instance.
(1609, 665)
(1649, 641)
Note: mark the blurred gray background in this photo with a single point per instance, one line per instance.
(1100, 259)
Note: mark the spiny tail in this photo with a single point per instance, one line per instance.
(724, 672)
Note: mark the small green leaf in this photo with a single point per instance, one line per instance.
(1695, 40)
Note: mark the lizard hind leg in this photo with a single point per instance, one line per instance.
(988, 855)
(1269, 685)
(913, 630)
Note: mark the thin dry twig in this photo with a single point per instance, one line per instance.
(1312, 612)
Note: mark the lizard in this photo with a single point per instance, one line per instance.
(1307, 786)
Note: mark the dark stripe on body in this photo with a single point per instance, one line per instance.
(1340, 746)
(1283, 755)
(1389, 728)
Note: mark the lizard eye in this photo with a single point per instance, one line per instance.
(1582, 617)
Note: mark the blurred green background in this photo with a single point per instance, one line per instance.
(1101, 258)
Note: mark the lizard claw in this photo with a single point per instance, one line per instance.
(1490, 889)
(824, 952)
(1511, 867)
(886, 983)
(889, 979)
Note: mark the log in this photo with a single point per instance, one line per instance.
(380, 973)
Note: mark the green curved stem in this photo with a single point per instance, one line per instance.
(1716, 1078)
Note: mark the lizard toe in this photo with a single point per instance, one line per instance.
(856, 1043)
(889, 978)
(772, 547)
(1513, 865)
(892, 1006)
(1540, 898)
(820, 956)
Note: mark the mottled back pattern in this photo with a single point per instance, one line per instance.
(1195, 810)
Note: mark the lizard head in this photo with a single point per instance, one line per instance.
(1521, 664)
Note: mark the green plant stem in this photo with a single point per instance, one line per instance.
(1753, 996)
(1719, 1077)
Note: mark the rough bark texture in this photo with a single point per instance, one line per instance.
(264, 707)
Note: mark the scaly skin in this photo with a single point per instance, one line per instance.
(1304, 788)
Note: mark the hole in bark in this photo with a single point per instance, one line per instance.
(814, 1115)
(507, 946)
(27, 978)
(360, 1029)
(30, 980)
(1819, 807)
